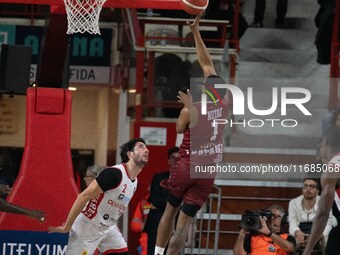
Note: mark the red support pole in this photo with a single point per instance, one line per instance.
(139, 84)
(140, 58)
(235, 25)
(232, 72)
(151, 81)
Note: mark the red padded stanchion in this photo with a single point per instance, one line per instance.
(45, 181)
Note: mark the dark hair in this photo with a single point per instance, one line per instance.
(126, 147)
(313, 179)
(172, 150)
(335, 115)
(332, 136)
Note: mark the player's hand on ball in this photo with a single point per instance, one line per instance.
(194, 26)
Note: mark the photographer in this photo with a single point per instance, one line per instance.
(267, 239)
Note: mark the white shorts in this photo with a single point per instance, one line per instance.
(85, 237)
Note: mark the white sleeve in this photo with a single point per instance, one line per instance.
(293, 217)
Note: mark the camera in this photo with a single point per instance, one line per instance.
(251, 219)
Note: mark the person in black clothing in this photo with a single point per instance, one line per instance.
(158, 199)
(324, 20)
(281, 11)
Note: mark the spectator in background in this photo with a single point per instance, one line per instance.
(281, 11)
(302, 211)
(138, 221)
(158, 198)
(91, 173)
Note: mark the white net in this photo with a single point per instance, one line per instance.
(83, 15)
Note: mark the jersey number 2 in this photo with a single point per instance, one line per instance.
(125, 186)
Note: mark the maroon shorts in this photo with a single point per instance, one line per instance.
(192, 190)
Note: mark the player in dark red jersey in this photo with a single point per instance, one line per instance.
(202, 145)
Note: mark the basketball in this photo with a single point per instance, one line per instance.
(194, 7)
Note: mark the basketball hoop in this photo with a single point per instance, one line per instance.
(83, 15)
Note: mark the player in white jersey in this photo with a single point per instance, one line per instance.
(93, 216)
(329, 152)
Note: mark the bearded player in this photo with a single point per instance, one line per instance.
(94, 214)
